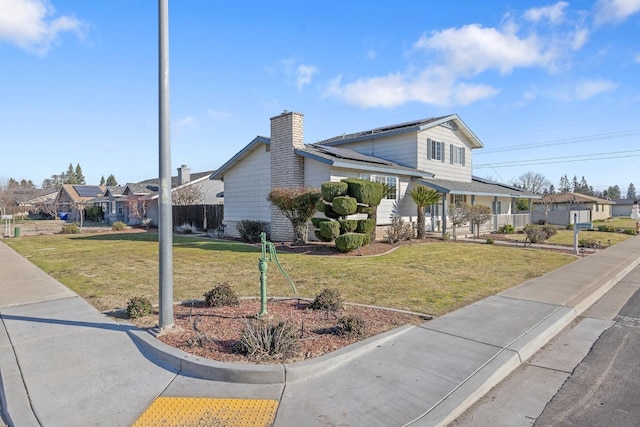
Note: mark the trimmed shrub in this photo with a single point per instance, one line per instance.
(490, 241)
(70, 229)
(629, 231)
(138, 307)
(250, 229)
(506, 229)
(118, 226)
(316, 221)
(607, 228)
(351, 326)
(328, 299)
(368, 192)
(331, 190)
(539, 233)
(348, 225)
(588, 243)
(344, 205)
(329, 230)
(262, 340)
(349, 242)
(569, 226)
(221, 295)
(94, 213)
(366, 226)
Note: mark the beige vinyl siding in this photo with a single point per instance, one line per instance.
(315, 173)
(443, 169)
(246, 187)
(400, 148)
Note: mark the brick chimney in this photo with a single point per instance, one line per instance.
(287, 168)
(184, 175)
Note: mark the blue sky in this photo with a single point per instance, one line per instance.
(549, 87)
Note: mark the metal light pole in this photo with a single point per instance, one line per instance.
(165, 225)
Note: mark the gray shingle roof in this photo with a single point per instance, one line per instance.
(477, 186)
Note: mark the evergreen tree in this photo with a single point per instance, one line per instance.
(111, 181)
(102, 180)
(631, 192)
(564, 186)
(552, 189)
(612, 192)
(575, 185)
(70, 176)
(80, 179)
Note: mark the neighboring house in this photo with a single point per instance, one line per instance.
(434, 152)
(72, 199)
(622, 207)
(140, 200)
(113, 204)
(567, 208)
(35, 201)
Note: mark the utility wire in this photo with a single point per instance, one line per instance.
(553, 160)
(566, 141)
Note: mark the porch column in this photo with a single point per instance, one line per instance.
(514, 211)
(445, 210)
(495, 213)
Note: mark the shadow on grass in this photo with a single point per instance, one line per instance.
(190, 242)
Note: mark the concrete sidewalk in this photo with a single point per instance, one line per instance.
(63, 363)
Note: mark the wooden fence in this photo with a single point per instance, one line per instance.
(207, 217)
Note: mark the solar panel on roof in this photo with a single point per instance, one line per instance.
(87, 190)
(353, 155)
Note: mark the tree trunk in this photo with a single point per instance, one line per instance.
(421, 223)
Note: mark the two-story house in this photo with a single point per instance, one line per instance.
(435, 152)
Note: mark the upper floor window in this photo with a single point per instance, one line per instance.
(456, 155)
(435, 150)
(390, 181)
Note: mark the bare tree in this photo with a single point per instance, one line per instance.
(189, 195)
(139, 206)
(533, 182)
(478, 215)
(458, 214)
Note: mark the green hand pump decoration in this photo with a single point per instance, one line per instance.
(263, 267)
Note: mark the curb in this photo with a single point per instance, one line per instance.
(197, 367)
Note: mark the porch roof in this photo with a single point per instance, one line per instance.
(477, 186)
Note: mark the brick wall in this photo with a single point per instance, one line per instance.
(287, 168)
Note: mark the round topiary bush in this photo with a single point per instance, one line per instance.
(327, 299)
(349, 242)
(348, 225)
(221, 295)
(70, 229)
(344, 205)
(331, 190)
(329, 230)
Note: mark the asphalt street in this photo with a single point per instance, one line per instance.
(604, 390)
(589, 375)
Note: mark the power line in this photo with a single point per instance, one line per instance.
(564, 159)
(565, 141)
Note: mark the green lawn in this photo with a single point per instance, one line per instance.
(109, 269)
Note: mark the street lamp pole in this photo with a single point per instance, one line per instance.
(165, 220)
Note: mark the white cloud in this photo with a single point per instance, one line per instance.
(30, 24)
(218, 115)
(613, 11)
(553, 13)
(304, 74)
(185, 123)
(589, 89)
(473, 49)
(430, 87)
(455, 58)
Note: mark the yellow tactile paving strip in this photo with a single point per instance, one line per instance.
(201, 412)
